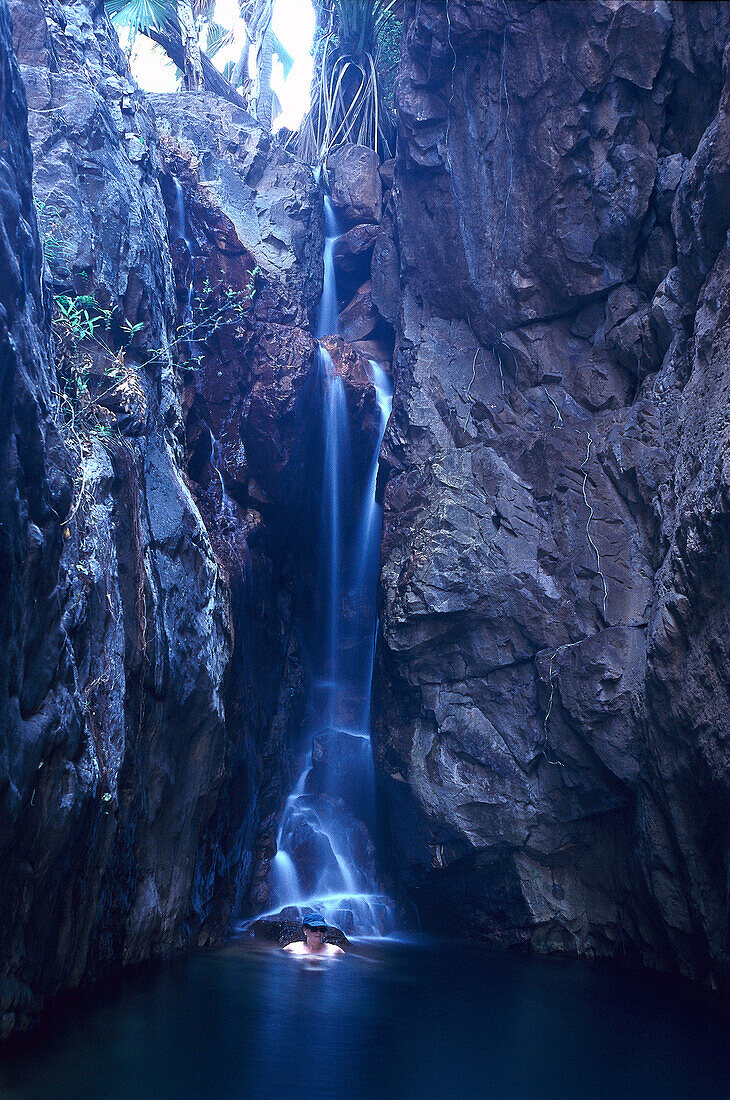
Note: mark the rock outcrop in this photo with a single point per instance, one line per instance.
(149, 670)
(552, 678)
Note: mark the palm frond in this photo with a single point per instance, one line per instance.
(349, 97)
(217, 38)
(287, 61)
(203, 9)
(142, 15)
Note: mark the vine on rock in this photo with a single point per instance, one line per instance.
(588, 523)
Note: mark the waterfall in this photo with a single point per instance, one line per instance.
(325, 856)
(178, 227)
(327, 314)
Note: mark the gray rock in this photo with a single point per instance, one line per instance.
(354, 183)
(551, 679)
(267, 196)
(130, 816)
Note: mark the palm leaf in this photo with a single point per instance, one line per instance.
(287, 61)
(142, 14)
(203, 9)
(217, 38)
(349, 97)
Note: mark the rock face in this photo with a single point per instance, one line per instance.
(250, 197)
(114, 740)
(550, 250)
(142, 716)
(553, 682)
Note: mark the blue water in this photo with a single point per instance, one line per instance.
(408, 1021)
(324, 856)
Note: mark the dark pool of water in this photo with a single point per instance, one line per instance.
(428, 1021)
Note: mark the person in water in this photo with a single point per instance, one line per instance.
(314, 929)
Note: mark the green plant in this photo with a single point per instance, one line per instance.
(81, 315)
(142, 15)
(217, 309)
(351, 97)
(87, 368)
(49, 220)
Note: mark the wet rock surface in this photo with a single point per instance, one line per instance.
(554, 596)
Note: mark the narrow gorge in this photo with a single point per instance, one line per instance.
(365, 526)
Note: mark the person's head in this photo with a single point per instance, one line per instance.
(314, 929)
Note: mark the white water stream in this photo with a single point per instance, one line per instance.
(325, 857)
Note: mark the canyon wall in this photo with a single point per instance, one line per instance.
(552, 672)
(549, 251)
(143, 714)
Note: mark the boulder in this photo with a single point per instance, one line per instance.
(354, 248)
(387, 173)
(354, 184)
(360, 316)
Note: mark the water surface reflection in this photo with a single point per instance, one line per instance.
(404, 1021)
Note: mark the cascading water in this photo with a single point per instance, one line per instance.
(325, 857)
(179, 230)
(327, 314)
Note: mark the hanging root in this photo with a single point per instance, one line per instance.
(588, 523)
(495, 349)
(559, 422)
(548, 712)
(551, 681)
(470, 399)
(447, 155)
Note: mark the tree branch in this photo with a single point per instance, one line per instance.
(214, 81)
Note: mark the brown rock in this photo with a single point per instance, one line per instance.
(354, 182)
(283, 360)
(359, 318)
(353, 249)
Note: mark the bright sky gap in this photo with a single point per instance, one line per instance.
(293, 23)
